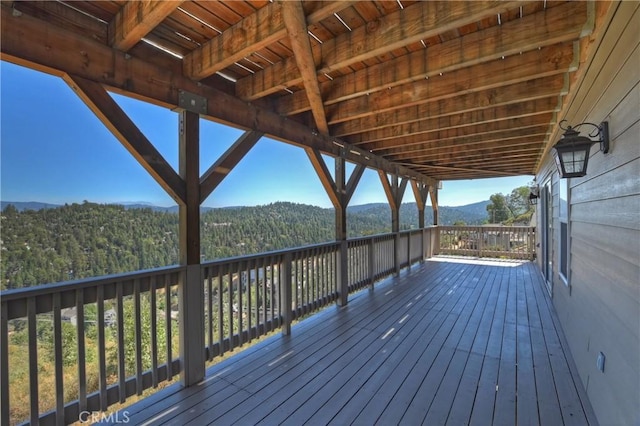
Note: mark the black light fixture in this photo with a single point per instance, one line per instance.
(571, 152)
(533, 196)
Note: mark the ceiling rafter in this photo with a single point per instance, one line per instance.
(466, 131)
(136, 19)
(418, 124)
(412, 24)
(427, 149)
(551, 60)
(561, 24)
(546, 91)
(253, 33)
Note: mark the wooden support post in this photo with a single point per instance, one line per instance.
(339, 192)
(394, 191)
(433, 194)
(285, 293)
(341, 231)
(191, 292)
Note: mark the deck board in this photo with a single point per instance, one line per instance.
(444, 343)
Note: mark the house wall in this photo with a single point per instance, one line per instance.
(599, 307)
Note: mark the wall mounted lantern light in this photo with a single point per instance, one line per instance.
(533, 196)
(571, 152)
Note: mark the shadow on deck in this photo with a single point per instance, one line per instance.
(447, 342)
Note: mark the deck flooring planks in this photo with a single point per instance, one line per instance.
(441, 384)
(460, 410)
(571, 406)
(443, 343)
(455, 381)
(392, 308)
(304, 411)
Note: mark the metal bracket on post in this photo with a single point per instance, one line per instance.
(192, 102)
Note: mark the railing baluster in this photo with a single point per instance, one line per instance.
(154, 331)
(209, 281)
(102, 361)
(82, 370)
(138, 333)
(59, 362)
(33, 360)
(230, 309)
(264, 292)
(122, 375)
(240, 310)
(168, 323)
(4, 364)
(220, 312)
(270, 290)
(249, 310)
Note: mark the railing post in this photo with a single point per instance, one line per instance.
(191, 323)
(480, 241)
(285, 293)
(435, 250)
(396, 251)
(342, 277)
(409, 236)
(372, 262)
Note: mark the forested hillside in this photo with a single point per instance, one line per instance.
(83, 240)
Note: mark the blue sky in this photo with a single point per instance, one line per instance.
(53, 149)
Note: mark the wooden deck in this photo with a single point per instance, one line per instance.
(447, 342)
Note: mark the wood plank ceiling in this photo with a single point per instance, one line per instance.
(448, 90)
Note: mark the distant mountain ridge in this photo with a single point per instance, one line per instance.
(471, 214)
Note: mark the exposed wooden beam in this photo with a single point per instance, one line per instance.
(29, 42)
(464, 169)
(394, 190)
(117, 121)
(547, 88)
(136, 19)
(296, 25)
(412, 24)
(386, 141)
(420, 193)
(356, 174)
(227, 161)
(447, 138)
(560, 24)
(509, 140)
(419, 124)
(484, 154)
(251, 34)
(324, 174)
(548, 61)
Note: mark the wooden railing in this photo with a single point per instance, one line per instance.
(510, 242)
(83, 346)
(86, 345)
(245, 297)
